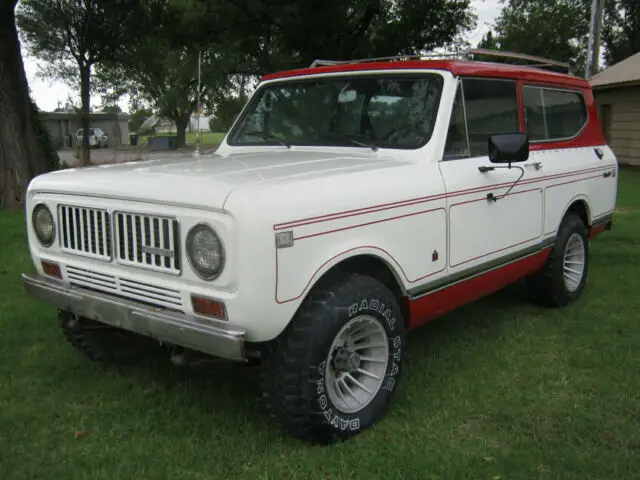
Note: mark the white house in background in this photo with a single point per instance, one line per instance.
(617, 93)
(166, 125)
(204, 123)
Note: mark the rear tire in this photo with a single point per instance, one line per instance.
(312, 374)
(104, 343)
(563, 276)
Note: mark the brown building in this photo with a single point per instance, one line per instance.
(63, 127)
(617, 94)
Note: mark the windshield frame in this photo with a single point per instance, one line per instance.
(387, 75)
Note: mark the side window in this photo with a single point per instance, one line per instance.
(535, 121)
(552, 114)
(456, 145)
(491, 107)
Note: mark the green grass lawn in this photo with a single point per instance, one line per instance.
(501, 389)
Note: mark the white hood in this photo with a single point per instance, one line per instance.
(204, 182)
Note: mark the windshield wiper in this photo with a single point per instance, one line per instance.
(268, 136)
(372, 146)
(353, 141)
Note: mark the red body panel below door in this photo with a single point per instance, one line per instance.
(432, 305)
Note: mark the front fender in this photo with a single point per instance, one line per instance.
(294, 278)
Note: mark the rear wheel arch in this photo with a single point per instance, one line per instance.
(580, 206)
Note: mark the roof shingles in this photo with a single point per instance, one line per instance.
(625, 72)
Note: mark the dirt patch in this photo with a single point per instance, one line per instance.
(625, 210)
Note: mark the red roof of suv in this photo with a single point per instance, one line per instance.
(457, 67)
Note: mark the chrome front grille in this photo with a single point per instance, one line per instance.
(85, 231)
(147, 241)
(141, 291)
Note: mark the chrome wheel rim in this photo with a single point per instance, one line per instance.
(357, 363)
(574, 262)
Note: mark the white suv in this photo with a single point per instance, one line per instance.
(348, 204)
(97, 138)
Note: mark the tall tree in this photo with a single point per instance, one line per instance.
(621, 30)
(269, 35)
(21, 153)
(161, 68)
(78, 34)
(559, 30)
(247, 39)
(555, 29)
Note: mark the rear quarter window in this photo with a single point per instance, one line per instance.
(553, 114)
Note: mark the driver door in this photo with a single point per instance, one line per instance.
(484, 232)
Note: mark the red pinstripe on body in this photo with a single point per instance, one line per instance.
(388, 206)
(369, 223)
(413, 201)
(363, 247)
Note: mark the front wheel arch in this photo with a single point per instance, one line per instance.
(370, 265)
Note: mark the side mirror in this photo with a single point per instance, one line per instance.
(509, 148)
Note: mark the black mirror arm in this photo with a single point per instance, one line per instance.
(491, 197)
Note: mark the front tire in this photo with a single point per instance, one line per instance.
(331, 374)
(562, 279)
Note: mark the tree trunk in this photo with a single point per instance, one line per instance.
(85, 78)
(181, 122)
(20, 155)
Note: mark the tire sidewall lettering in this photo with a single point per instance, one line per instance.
(340, 421)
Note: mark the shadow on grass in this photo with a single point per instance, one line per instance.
(234, 388)
(488, 314)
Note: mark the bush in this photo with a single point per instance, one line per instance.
(226, 112)
(215, 125)
(43, 138)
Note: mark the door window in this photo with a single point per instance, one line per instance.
(483, 107)
(457, 145)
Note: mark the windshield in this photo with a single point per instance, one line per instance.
(364, 111)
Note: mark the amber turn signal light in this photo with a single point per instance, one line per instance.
(208, 307)
(51, 269)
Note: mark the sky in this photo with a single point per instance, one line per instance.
(48, 94)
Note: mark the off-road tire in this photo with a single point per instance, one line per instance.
(548, 285)
(103, 343)
(292, 375)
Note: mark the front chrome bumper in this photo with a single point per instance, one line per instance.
(164, 325)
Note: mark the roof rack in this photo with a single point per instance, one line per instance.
(396, 58)
(469, 54)
(541, 61)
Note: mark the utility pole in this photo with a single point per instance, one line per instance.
(197, 152)
(593, 49)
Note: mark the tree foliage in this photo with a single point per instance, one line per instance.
(555, 29)
(76, 35)
(240, 41)
(138, 117)
(559, 30)
(264, 36)
(160, 68)
(621, 30)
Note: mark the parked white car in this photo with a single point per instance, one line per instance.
(348, 204)
(97, 138)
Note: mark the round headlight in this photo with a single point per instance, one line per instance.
(205, 252)
(43, 225)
